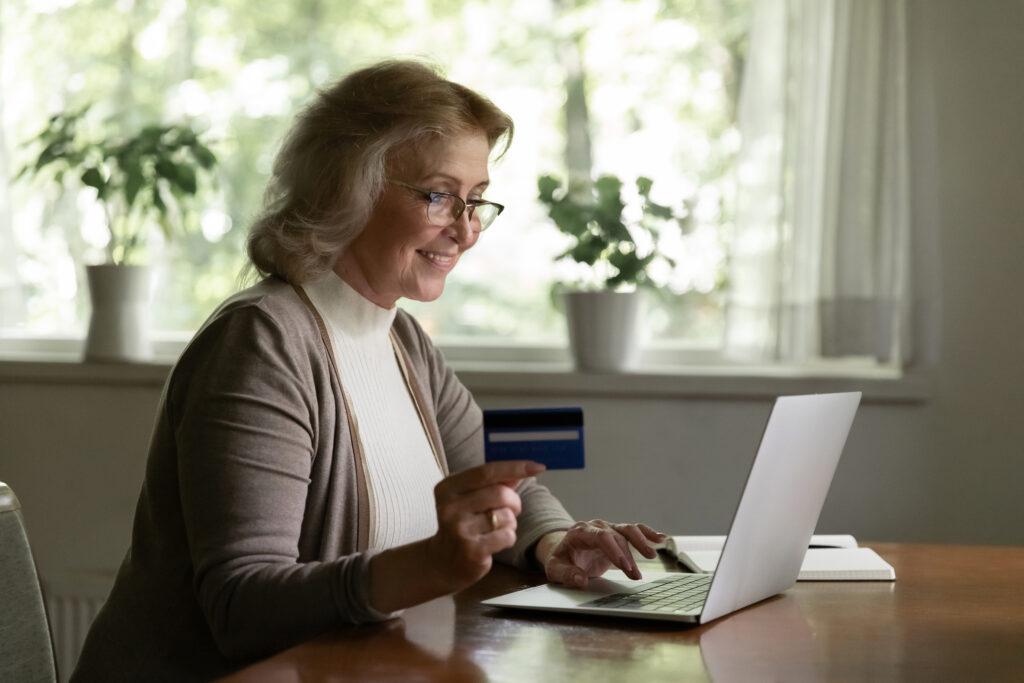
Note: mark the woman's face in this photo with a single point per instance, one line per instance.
(401, 254)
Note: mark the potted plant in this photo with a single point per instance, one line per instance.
(147, 179)
(602, 307)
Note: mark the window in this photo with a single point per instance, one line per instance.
(645, 87)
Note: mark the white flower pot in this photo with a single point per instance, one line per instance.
(603, 329)
(119, 323)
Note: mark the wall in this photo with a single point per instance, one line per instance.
(975, 53)
(680, 465)
(947, 469)
(75, 456)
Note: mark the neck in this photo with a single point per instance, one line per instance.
(348, 270)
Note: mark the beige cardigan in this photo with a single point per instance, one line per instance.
(250, 530)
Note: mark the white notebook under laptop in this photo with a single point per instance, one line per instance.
(766, 544)
(830, 557)
(820, 564)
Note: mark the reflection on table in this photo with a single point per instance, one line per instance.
(955, 613)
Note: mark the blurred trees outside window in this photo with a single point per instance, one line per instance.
(625, 87)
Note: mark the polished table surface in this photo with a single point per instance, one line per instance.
(955, 613)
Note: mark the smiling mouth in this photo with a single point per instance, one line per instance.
(443, 261)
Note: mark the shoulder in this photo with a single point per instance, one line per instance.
(274, 300)
(266, 325)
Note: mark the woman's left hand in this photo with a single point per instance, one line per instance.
(589, 549)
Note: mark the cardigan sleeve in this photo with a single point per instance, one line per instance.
(243, 412)
(460, 422)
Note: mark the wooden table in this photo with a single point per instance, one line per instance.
(955, 613)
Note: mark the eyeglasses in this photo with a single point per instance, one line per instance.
(444, 208)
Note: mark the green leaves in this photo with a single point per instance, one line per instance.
(546, 187)
(134, 182)
(182, 177)
(186, 179)
(643, 186)
(150, 176)
(602, 239)
(203, 156)
(609, 189)
(631, 268)
(162, 210)
(93, 178)
(61, 148)
(588, 249)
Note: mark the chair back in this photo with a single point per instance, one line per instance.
(26, 651)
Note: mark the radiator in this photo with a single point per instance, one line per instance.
(72, 602)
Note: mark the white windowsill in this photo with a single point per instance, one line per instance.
(880, 385)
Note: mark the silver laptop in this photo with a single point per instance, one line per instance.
(774, 520)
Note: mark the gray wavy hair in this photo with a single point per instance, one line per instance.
(335, 160)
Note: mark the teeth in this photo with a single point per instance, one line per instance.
(440, 259)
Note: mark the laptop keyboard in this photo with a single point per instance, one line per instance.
(670, 595)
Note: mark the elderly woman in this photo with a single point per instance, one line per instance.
(315, 462)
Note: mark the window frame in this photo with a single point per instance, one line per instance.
(663, 360)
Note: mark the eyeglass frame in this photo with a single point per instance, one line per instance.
(463, 204)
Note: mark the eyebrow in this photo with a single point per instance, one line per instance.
(455, 180)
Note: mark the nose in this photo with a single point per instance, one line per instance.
(462, 231)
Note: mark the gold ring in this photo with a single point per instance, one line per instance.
(494, 520)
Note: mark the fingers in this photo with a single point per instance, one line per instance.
(650, 533)
(465, 544)
(480, 500)
(502, 517)
(625, 560)
(598, 534)
(476, 515)
(492, 520)
(635, 535)
(485, 475)
(497, 529)
(472, 549)
(470, 526)
(588, 548)
(566, 573)
(500, 539)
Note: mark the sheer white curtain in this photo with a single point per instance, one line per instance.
(821, 254)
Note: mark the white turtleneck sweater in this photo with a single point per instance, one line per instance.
(401, 469)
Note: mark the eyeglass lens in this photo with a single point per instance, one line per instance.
(445, 209)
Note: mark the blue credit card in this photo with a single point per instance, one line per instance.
(552, 436)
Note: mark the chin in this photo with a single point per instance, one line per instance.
(426, 295)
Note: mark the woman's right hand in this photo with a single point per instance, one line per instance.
(476, 517)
